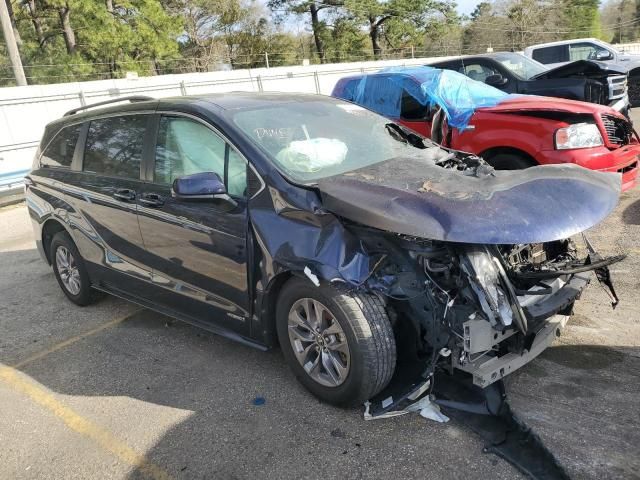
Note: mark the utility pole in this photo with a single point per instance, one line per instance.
(12, 46)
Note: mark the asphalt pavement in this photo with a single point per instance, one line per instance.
(118, 392)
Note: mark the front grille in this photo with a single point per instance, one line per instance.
(619, 130)
(617, 86)
(594, 92)
(628, 168)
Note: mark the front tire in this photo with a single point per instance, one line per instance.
(340, 345)
(70, 271)
(509, 161)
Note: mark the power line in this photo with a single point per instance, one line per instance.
(189, 65)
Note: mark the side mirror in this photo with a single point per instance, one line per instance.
(200, 186)
(496, 80)
(603, 55)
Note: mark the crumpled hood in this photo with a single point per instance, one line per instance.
(418, 198)
(582, 67)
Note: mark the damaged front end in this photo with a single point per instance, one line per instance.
(484, 309)
(466, 316)
(479, 268)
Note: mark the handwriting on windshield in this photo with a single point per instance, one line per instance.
(282, 132)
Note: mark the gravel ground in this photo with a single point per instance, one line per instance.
(114, 391)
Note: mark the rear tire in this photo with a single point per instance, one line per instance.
(70, 271)
(354, 333)
(510, 161)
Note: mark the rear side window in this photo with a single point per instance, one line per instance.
(349, 90)
(114, 146)
(383, 95)
(411, 109)
(555, 54)
(59, 152)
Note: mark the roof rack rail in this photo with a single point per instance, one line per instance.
(132, 99)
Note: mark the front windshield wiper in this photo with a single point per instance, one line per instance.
(402, 135)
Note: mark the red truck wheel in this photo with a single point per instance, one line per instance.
(509, 161)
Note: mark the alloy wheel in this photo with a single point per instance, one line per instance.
(318, 342)
(68, 270)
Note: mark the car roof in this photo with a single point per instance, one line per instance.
(216, 103)
(492, 55)
(563, 42)
(253, 100)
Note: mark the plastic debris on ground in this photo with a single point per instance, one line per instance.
(425, 407)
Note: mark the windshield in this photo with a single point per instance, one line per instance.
(315, 139)
(521, 65)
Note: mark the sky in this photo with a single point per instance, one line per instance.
(465, 7)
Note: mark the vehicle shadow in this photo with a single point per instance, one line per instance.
(209, 426)
(190, 394)
(631, 214)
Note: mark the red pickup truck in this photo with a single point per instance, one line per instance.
(508, 131)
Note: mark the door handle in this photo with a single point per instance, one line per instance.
(151, 200)
(125, 194)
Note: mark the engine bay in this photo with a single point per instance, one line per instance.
(459, 306)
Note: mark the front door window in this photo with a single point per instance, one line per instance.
(479, 72)
(585, 51)
(186, 147)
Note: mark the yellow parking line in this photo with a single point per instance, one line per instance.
(72, 340)
(81, 425)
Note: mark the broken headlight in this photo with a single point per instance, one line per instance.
(483, 270)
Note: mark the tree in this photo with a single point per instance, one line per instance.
(64, 13)
(313, 8)
(208, 24)
(486, 29)
(618, 20)
(444, 38)
(6, 73)
(78, 38)
(581, 18)
(532, 21)
(346, 42)
(407, 18)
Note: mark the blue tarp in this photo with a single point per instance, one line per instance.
(457, 95)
